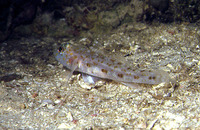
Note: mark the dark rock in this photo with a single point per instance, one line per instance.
(161, 5)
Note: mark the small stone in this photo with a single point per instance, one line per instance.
(57, 101)
(22, 106)
(69, 116)
(63, 126)
(50, 106)
(170, 66)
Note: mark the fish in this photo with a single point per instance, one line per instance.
(93, 65)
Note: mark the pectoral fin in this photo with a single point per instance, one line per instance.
(90, 79)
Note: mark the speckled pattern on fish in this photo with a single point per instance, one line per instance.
(84, 60)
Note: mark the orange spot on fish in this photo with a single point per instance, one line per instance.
(112, 60)
(70, 60)
(75, 57)
(104, 71)
(115, 66)
(120, 75)
(88, 65)
(119, 63)
(136, 77)
(95, 63)
(109, 64)
(124, 70)
(152, 77)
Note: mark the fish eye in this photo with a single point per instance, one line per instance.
(63, 46)
(60, 49)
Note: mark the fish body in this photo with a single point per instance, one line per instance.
(84, 60)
